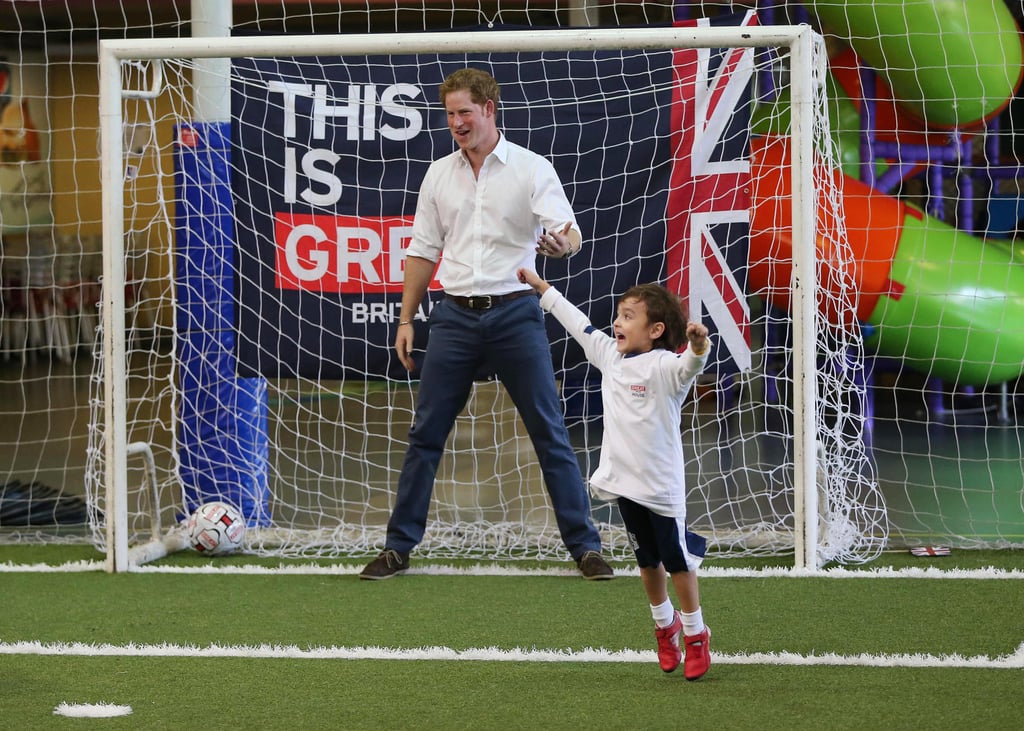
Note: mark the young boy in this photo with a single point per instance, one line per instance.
(643, 384)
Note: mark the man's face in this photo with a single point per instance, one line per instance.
(471, 125)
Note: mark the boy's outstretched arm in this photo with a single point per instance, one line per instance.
(534, 280)
(598, 347)
(697, 334)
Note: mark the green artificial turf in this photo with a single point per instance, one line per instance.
(809, 616)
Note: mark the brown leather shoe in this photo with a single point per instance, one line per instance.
(593, 567)
(389, 563)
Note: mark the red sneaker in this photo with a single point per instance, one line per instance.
(669, 654)
(698, 654)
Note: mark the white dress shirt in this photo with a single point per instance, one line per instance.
(487, 226)
(642, 395)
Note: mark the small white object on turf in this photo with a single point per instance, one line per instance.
(216, 528)
(91, 710)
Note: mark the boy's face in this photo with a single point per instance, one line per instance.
(633, 332)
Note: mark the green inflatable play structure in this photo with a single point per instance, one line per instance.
(947, 303)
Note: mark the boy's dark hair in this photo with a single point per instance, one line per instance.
(480, 85)
(665, 307)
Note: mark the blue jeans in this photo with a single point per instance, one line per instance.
(509, 340)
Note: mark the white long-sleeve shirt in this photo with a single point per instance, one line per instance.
(487, 226)
(642, 395)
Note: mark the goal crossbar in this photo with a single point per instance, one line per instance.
(577, 39)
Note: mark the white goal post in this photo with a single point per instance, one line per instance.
(814, 434)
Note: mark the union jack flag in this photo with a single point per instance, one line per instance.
(709, 204)
(930, 551)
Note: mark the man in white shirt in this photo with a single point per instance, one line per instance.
(491, 206)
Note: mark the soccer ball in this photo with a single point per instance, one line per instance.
(216, 529)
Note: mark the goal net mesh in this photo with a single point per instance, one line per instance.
(274, 331)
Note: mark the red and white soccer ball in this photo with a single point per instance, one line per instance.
(216, 529)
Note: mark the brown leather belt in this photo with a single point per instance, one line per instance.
(487, 301)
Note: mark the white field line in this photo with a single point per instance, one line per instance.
(510, 569)
(91, 710)
(1014, 661)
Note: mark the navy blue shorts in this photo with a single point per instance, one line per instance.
(656, 539)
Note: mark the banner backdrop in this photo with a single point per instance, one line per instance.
(329, 154)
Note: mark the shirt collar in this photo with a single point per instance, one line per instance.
(500, 151)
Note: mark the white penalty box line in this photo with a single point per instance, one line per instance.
(506, 568)
(1014, 661)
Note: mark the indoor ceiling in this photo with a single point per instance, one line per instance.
(49, 24)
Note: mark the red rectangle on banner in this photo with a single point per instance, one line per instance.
(346, 254)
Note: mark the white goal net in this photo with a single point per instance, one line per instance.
(256, 260)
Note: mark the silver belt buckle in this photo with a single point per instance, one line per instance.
(480, 302)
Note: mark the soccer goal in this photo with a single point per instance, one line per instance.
(274, 189)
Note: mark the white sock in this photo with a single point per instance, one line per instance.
(664, 614)
(693, 622)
